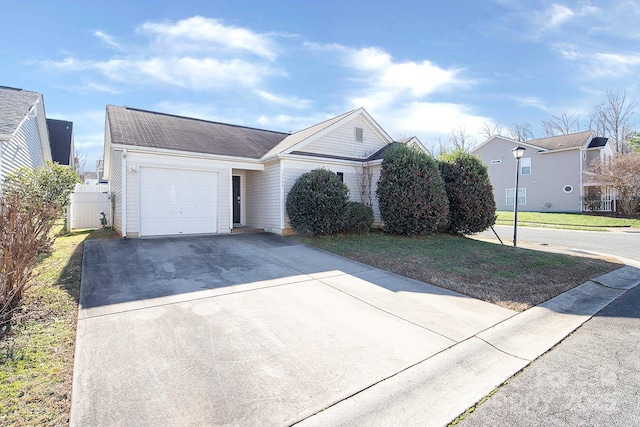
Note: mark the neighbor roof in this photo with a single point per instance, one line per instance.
(60, 135)
(14, 105)
(562, 142)
(141, 128)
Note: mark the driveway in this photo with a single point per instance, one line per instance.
(260, 330)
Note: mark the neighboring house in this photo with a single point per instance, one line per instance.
(24, 138)
(413, 141)
(551, 172)
(61, 139)
(177, 175)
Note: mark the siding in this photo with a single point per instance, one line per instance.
(262, 201)
(24, 149)
(342, 141)
(115, 188)
(550, 173)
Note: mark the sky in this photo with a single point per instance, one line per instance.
(419, 68)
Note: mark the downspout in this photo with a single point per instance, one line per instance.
(581, 183)
(281, 196)
(124, 193)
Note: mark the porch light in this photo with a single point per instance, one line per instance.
(518, 152)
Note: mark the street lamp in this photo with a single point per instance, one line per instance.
(518, 152)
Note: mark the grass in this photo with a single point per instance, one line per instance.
(37, 348)
(514, 278)
(574, 221)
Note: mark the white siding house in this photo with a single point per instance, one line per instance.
(24, 138)
(177, 175)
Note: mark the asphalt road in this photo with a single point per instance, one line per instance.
(621, 243)
(592, 378)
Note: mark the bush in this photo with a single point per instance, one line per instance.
(472, 207)
(25, 226)
(411, 193)
(358, 218)
(49, 183)
(317, 202)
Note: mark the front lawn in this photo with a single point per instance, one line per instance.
(515, 278)
(580, 221)
(37, 347)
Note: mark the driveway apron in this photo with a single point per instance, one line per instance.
(251, 329)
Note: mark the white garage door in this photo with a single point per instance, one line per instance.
(174, 201)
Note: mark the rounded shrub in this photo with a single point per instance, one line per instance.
(411, 193)
(358, 218)
(472, 206)
(317, 202)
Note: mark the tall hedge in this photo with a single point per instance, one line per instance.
(472, 207)
(317, 202)
(411, 193)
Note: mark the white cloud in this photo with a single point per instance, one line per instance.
(286, 101)
(107, 39)
(205, 34)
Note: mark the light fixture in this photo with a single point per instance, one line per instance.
(518, 152)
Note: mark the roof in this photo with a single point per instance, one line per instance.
(562, 142)
(14, 106)
(60, 138)
(141, 128)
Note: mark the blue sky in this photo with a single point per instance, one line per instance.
(418, 67)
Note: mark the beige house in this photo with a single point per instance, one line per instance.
(551, 172)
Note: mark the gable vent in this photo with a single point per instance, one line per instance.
(359, 135)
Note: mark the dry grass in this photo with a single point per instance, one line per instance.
(514, 278)
(37, 347)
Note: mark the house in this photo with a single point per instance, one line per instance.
(24, 138)
(177, 175)
(551, 172)
(61, 142)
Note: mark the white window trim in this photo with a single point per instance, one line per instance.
(522, 196)
(565, 188)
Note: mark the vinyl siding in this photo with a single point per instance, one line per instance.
(550, 173)
(24, 149)
(342, 141)
(375, 169)
(115, 188)
(262, 201)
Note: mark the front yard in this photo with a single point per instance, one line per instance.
(515, 278)
(572, 221)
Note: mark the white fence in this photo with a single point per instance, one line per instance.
(85, 209)
(95, 188)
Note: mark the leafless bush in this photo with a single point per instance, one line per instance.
(25, 233)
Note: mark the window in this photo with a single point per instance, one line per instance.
(525, 166)
(522, 196)
(341, 176)
(359, 135)
(568, 189)
(496, 162)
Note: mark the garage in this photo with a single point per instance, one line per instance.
(177, 201)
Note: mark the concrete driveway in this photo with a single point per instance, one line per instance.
(257, 330)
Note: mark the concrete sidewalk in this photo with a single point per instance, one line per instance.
(259, 329)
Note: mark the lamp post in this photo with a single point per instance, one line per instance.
(518, 152)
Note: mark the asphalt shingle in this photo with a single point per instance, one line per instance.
(14, 105)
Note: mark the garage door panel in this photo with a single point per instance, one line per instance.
(174, 201)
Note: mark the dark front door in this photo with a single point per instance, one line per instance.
(236, 199)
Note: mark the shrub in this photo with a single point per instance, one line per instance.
(317, 202)
(25, 226)
(472, 207)
(411, 193)
(49, 183)
(358, 218)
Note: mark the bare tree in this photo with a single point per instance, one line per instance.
(521, 131)
(620, 173)
(487, 131)
(459, 139)
(364, 175)
(561, 125)
(80, 161)
(613, 119)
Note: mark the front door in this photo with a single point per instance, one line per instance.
(236, 199)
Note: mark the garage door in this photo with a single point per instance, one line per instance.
(174, 201)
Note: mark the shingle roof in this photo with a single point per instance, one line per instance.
(14, 105)
(60, 133)
(562, 142)
(142, 128)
